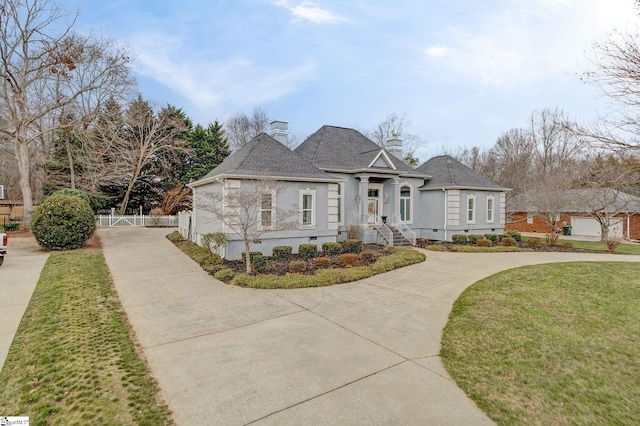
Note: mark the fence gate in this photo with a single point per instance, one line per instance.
(108, 221)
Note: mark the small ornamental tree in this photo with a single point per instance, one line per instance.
(63, 221)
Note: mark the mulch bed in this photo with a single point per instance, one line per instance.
(275, 267)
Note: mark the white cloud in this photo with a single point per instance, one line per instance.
(514, 46)
(210, 83)
(435, 51)
(312, 12)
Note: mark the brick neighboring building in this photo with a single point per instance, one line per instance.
(625, 212)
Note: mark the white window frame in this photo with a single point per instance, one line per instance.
(341, 203)
(262, 227)
(410, 198)
(530, 217)
(302, 193)
(491, 218)
(471, 212)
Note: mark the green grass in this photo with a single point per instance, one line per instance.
(550, 344)
(73, 360)
(602, 246)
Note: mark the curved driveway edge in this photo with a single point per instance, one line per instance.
(18, 278)
(358, 353)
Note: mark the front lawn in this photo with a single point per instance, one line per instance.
(73, 360)
(550, 344)
(625, 248)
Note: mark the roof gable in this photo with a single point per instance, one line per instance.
(447, 172)
(382, 160)
(265, 156)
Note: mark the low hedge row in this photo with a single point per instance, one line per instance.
(513, 237)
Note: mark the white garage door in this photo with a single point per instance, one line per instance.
(589, 227)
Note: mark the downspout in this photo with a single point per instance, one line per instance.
(446, 204)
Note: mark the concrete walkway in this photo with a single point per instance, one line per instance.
(18, 278)
(358, 353)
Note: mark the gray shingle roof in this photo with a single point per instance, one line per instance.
(447, 172)
(339, 148)
(264, 156)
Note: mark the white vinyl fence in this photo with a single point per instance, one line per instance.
(135, 220)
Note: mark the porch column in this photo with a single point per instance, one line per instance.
(364, 188)
(395, 184)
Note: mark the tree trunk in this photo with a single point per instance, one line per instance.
(125, 200)
(604, 232)
(21, 150)
(247, 254)
(72, 174)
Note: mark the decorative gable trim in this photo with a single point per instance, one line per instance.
(385, 158)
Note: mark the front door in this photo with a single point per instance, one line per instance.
(374, 194)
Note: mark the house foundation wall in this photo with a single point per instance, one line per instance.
(235, 248)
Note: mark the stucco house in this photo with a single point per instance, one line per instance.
(338, 178)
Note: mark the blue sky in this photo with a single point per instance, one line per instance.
(463, 72)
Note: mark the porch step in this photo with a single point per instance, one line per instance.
(398, 239)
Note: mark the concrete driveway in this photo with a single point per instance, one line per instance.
(358, 353)
(18, 278)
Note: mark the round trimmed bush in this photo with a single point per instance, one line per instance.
(63, 221)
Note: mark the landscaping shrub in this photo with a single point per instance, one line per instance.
(11, 226)
(74, 193)
(494, 238)
(367, 257)
(214, 241)
(298, 266)
(533, 242)
(252, 255)
(281, 253)
(307, 251)
(568, 244)
(224, 275)
(155, 214)
(322, 262)
(348, 259)
(175, 237)
(508, 242)
(331, 249)
(473, 239)
(260, 263)
(483, 242)
(352, 246)
(612, 244)
(460, 239)
(515, 235)
(353, 232)
(63, 221)
(399, 257)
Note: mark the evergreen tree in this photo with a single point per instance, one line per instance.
(208, 148)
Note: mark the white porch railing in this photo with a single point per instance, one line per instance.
(135, 220)
(384, 230)
(404, 229)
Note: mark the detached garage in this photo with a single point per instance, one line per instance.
(589, 227)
